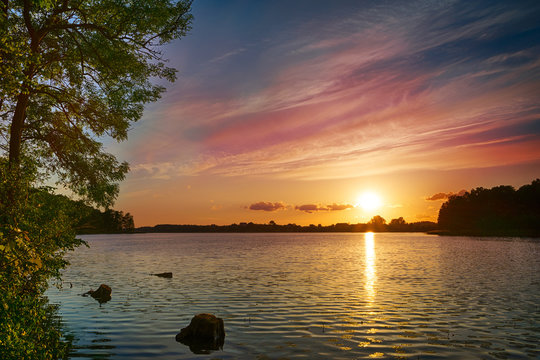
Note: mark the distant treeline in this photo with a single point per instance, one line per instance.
(499, 211)
(377, 224)
(86, 219)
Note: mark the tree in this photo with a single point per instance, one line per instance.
(398, 224)
(377, 220)
(377, 223)
(497, 211)
(71, 72)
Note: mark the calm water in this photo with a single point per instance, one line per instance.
(309, 296)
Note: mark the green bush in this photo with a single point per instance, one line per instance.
(35, 233)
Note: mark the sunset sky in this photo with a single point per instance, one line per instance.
(291, 110)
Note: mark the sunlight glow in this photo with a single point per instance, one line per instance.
(371, 276)
(369, 201)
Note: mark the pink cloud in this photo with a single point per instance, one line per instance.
(354, 107)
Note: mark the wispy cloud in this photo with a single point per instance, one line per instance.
(422, 86)
(227, 55)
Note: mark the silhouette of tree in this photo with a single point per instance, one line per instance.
(377, 220)
(497, 211)
(377, 223)
(398, 224)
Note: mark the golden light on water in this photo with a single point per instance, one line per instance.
(370, 272)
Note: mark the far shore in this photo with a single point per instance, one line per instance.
(272, 227)
(427, 227)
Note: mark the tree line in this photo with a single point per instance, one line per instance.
(501, 210)
(377, 224)
(86, 219)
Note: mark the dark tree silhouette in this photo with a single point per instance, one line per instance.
(398, 224)
(497, 211)
(377, 223)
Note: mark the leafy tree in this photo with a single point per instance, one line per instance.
(35, 233)
(497, 211)
(71, 72)
(377, 220)
(398, 224)
(377, 223)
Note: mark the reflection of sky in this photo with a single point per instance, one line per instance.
(321, 90)
(370, 272)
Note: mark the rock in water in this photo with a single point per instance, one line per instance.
(205, 332)
(164, 275)
(102, 294)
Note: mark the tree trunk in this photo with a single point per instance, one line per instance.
(16, 130)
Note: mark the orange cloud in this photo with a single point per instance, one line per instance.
(445, 196)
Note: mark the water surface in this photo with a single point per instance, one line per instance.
(306, 296)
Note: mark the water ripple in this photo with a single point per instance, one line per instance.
(307, 296)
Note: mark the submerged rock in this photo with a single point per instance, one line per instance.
(204, 333)
(164, 275)
(102, 294)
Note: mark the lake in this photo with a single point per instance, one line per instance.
(306, 296)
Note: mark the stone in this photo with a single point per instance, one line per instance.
(102, 294)
(167, 275)
(205, 332)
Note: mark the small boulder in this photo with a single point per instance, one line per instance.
(102, 294)
(204, 333)
(167, 275)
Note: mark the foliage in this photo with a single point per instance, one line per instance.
(398, 224)
(105, 222)
(71, 72)
(377, 220)
(35, 233)
(29, 329)
(497, 211)
(86, 219)
(377, 223)
(422, 226)
(74, 71)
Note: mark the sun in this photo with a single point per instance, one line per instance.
(369, 201)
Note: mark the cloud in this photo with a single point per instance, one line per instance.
(227, 55)
(338, 207)
(267, 206)
(445, 196)
(309, 208)
(378, 94)
(439, 196)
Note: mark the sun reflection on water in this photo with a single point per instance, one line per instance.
(370, 273)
